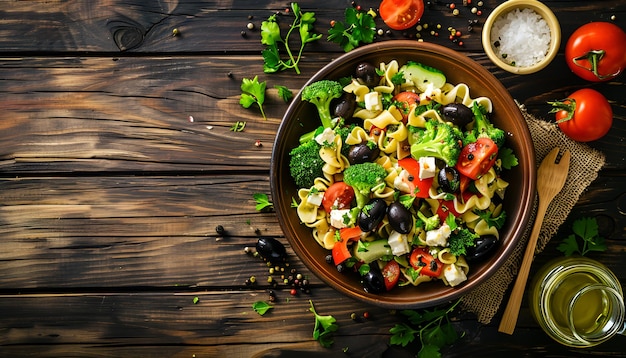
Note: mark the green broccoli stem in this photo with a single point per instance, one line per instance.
(307, 137)
(361, 198)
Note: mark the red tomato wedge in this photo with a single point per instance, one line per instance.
(401, 14)
(338, 196)
(391, 273)
(419, 187)
(477, 158)
(340, 251)
(422, 260)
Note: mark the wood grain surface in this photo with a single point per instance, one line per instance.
(117, 163)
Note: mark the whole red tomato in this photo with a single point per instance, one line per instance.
(584, 116)
(597, 51)
(401, 14)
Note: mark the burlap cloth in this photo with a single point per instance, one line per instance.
(585, 164)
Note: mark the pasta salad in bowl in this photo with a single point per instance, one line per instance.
(403, 174)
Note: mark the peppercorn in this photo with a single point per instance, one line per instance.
(219, 229)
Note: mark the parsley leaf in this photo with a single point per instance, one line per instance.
(324, 328)
(433, 328)
(359, 27)
(285, 93)
(262, 201)
(253, 91)
(496, 222)
(271, 37)
(261, 307)
(507, 158)
(587, 230)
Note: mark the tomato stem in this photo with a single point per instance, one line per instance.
(594, 57)
(568, 105)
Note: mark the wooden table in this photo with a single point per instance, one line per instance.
(117, 163)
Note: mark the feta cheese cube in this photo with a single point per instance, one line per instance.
(315, 198)
(454, 275)
(401, 182)
(373, 101)
(327, 136)
(428, 169)
(438, 237)
(399, 243)
(340, 218)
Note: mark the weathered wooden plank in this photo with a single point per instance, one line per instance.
(224, 324)
(207, 27)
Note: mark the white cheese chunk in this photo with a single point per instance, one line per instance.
(438, 237)
(399, 243)
(327, 136)
(401, 182)
(338, 218)
(373, 101)
(428, 168)
(315, 198)
(454, 275)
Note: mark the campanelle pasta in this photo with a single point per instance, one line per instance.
(390, 130)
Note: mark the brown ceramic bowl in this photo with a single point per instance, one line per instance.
(301, 117)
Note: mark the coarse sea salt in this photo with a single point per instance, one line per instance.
(521, 37)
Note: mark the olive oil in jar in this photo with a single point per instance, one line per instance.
(577, 301)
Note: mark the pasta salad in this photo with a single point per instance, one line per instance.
(402, 181)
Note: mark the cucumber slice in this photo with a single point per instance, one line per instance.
(422, 75)
(371, 251)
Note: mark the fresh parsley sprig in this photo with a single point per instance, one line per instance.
(433, 328)
(324, 328)
(587, 230)
(271, 37)
(253, 91)
(359, 27)
(262, 201)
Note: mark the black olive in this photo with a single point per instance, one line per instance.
(366, 72)
(373, 280)
(449, 180)
(372, 214)
(484, 246)
(362, 153)
(400, 218)
(271, 249)
(345, 106)
(457, 113)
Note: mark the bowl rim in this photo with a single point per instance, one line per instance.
(527, 198)
(541, 9)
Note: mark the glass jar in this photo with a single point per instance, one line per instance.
(577, 301)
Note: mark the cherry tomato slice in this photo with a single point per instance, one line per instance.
(422, 260)
(401, 14)
(477, 158)
(391, 273)
(596, 51)
(404, 101)
(338, 196)
(419, 187)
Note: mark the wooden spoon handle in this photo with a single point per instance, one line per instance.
(509, 317)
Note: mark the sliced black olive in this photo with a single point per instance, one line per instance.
(372, 214)
(484, 245)
(271, 249)
(400, 218)
(364, 152)
(373, 280)
(345, 106)
(449, 180)
(457, 113)
(366, 72)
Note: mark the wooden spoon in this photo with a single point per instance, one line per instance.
(550, 180)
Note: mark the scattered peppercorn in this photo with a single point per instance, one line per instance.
(293, 292)
(250, 26)
(219, 229)
(175, 32)
(243, 33)
(366, 315)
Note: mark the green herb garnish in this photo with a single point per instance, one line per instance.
(253, 91)
(285, 93)
(587, 230)
(324, 328)
(359, 27)
(262, 201)
(261, 307)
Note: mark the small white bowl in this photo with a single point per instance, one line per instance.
(539, 8)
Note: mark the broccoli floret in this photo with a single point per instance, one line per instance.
(430, 223)
(363, 178)
(321, 94)
(344, 132)
(483, 128)
(440, 140)
(305, 164)
(460, 240)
